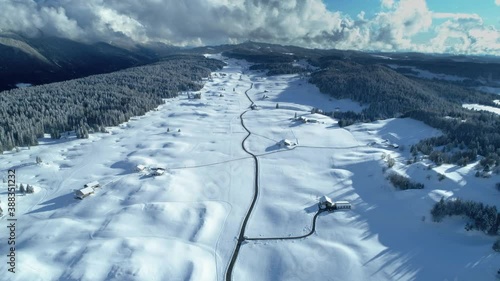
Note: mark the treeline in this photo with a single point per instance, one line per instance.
(278, 68)
(403, 183)
(88, 104)
(483, 217)
(389, 94)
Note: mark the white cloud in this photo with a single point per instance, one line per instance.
(456, 16)
(497, 2)
(301, 22)
(388, 3)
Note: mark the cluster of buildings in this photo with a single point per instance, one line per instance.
(326, 203)
(91, 187)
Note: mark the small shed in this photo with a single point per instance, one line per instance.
(84, 192)
(140, 168)
(92, 185)
(325, 202)
(158, 171)
(286, 142)
(338, 205)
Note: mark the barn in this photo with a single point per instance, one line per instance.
(84, 192)
(339, 205)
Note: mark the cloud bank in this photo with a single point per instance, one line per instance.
(305, 23)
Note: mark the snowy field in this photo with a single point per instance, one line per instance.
(473, 106)
(183, 225)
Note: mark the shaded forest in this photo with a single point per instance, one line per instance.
(88, 104)
(389, 94)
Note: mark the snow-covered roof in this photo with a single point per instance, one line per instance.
(85, 191)
(325, 198)
(342, 202)
(159, 171)
(91, 184)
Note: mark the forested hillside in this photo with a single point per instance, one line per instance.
(46, 59)
(439, 104)
(90, 103)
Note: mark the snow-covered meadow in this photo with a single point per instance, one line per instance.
(183, 225)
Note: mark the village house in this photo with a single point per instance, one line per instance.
(140, 168)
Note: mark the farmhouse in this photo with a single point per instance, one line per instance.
(94, 184)
(140, 168)
(325, 202)
(84, 192)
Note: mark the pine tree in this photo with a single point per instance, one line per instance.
(277, 105)
(21, 188)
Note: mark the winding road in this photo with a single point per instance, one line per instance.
(241, 236)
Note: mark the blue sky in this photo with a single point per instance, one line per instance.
(489, 12)
(445, 16)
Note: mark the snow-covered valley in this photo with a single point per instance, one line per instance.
(184, 224)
